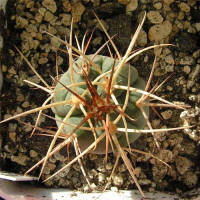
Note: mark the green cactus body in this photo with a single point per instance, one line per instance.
(85, 137)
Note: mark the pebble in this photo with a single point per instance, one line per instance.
(124, 2)
(50, 5)
(64, 172)
(183, 164)
(166, 155)
(160, 31)
(169, 59)
(168, 2)
(10, 148)
(12, 127)
(52, 30)
(186, 69)
(46, 171)
(144, 182)
(187, 60)
(167, 114)
(42, 61)
(48, 16)
(190, 179)
(154, 17)
(101, 178)
(142, 38)
(184, 7)
(38, 17)
(196, 54)
(132, 6)
(193, 76)
(157, 5)
(12, 136)
(118, 180)
(51, 166)
(66, 19)
(30, 4)
(42, 11)
(21, 22)
(66, 6)
(33, 153)
(55, 42)
(197, 26)
(21, 159)
(77, 11)
(114, 189)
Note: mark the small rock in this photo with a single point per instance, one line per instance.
(31, 28)
(77, 11)
(186, 69)
(48, 16)
(66, 19)
(190, 179)
(101, 178)
(46, 171)
(12, 127)
(193, 76)
(97, 41)
(55, 42)
(64, 172)
(21, 159)
(51, 166)
(196, 54)
(132, 6)
(114, 189)
(109, 166)
(66, 6)
(166, 155)
(51, 30)
(42, 11)
(160, 31)
(167, 114)
(169, 59)
(154, 17)
(124, 2)
(197, 26)
(122, 168)
(157, 5)
(142, 38)
(42, 61)
(21, 22)
(184, 7)
(118, 180)
(30, 4)
(187, 60)
(12, 136)
(38, 17)
(144, 182)
(50, 5)
(10, 148)
(183, 164)
(168, 2)
(33, 153)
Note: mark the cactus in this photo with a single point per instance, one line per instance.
(105, 64)
(100, 104)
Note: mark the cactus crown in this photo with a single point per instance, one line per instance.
(98, 101)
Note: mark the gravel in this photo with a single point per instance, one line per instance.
(167, 21)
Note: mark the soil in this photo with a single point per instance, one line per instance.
(179, 149)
